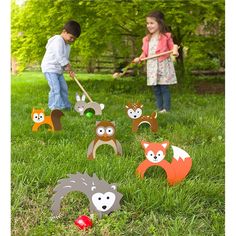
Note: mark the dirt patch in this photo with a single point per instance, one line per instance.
(210, 88)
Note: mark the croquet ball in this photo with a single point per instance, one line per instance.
(89, 114)
(83, 222)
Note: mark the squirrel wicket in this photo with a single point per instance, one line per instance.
(39, 118)
(103, 197)
(155, 153)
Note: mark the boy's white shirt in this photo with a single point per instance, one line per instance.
(56, 55)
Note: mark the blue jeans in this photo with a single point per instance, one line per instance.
(58, 95)
(162, 95)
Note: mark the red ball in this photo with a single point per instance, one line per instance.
(83, 222)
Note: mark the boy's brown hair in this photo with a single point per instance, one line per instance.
(73, 28)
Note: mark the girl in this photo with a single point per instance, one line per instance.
(160, 70)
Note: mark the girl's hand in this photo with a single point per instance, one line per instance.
(176, 54)
(136, 60)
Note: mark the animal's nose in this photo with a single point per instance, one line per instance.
(155, 157)
(134, 116)
(104, 207)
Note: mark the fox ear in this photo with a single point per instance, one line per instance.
(144, 144)
(165, 144)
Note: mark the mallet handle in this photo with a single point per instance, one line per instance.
(174, 51)
(90, 99)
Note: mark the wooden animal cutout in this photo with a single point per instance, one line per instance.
(103, 197)
(155, 153)
(54, 120)
(105, 134)
(134, 111)
(81, 105)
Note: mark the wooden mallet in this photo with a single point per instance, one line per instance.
(82, 88)
(174, 51)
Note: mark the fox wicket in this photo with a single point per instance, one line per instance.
(155, 153)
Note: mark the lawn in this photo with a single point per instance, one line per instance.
(149, 206)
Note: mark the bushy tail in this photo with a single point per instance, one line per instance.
(179, 167)
(56, 119)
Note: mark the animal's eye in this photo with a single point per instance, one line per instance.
(41, 116)
(110, 130)
(160, 154)
(150, 154)
(36, 116)
(139, 111)
(108, 197)
(99, 198)
(100, 131)
(130, 111)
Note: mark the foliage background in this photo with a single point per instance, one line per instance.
(115, 29)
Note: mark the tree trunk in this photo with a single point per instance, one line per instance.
(180, 59)
(90, 67)
(180, 66)
(14, 66)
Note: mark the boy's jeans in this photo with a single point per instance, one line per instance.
(162, 94)
(58, 95)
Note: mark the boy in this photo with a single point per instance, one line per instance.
(55, 61)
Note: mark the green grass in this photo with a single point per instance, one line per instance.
(149, 206)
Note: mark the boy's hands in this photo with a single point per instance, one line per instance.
(70, 72)
(68, 68)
